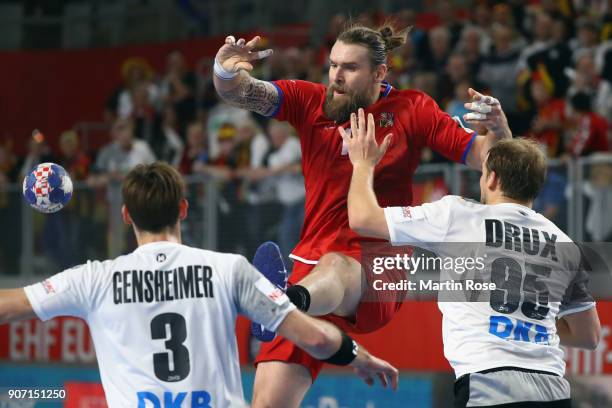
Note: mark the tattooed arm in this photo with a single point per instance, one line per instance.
(242, 90)
(248, 93)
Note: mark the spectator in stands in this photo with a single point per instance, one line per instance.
(438, 52)
(447, 12)
(586, 79)
(280, 180)
(179, 89)
(542, 38)
(38, 152)
(195, 150)
(222, 114)
(221, 167)
(456, 107)
(230, 225)
(158, 129)
(472, 45)
(252, 144)
(587, 38)
(457, 70)
(502, 15)
(417, 36)
(134, 70)
(482, 17)
(498, 70)
(427, 82)
(284, 165)
(598, 189)
(67, 235)
(587, 131)
(403, 63)
(122, 154)
(551, 55)
(547, 125)
(71, 157)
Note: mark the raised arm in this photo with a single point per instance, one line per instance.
(489, 118)
(366, 217)
(233, 82)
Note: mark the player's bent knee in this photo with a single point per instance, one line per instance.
(346, 267)
(333, 259)
(280, 385)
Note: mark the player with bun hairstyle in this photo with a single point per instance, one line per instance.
(327, 278)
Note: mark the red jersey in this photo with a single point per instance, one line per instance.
(590, 135)
(415, 121)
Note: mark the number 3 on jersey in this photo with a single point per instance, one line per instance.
(165, 369)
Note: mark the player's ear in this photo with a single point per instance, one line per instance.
(492, 180)
(183, 209)
(380, 72)
(126, 215)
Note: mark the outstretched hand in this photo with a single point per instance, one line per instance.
(238, 55)
(486, 112)
(368, 367)
(361, 140)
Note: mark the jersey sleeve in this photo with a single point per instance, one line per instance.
(63, 294)
(427, 223)
(443, 134)
(257, 298)
(299, 101)
(577, 297)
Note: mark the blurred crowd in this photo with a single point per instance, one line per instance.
(549, 62)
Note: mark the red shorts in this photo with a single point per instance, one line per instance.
(370, 316)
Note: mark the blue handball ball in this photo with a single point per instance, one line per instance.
(47, 188)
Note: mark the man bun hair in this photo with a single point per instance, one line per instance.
(393, 40)
(379, 41)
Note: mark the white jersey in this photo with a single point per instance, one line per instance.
(162, 321)
(536, 269)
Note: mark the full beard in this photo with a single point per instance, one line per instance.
(340, 110)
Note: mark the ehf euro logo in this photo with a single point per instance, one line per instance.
(47, 188)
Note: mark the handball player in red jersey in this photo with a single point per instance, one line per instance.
(327, 279)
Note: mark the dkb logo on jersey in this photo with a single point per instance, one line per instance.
(518, 330)
(199, 399)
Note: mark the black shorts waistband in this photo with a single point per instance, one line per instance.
(510, 368)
